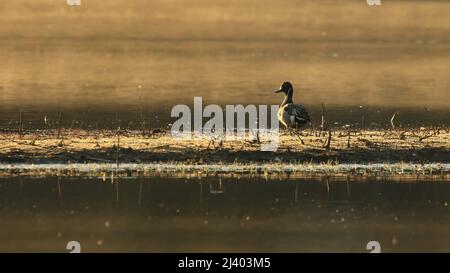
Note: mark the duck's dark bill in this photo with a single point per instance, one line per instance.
(279, 90)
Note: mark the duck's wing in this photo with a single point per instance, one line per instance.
(299, 112)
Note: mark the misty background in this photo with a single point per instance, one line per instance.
(139, 55)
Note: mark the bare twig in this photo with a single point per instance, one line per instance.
(322, 126)
(363, 117)
(118, 148)
(348, 140)
(20, 124)
(327, 144)
(59, 124)
(392, 120)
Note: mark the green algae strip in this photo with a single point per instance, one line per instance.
(441, 170)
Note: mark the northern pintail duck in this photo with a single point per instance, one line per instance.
(289, 114)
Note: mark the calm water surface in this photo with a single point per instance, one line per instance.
(213, 214)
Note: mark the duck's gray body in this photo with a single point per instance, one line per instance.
(289, 114)
(293, 115)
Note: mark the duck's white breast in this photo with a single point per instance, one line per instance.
(283, 116)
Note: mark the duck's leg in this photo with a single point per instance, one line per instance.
(299, 133)
(301, 140)
(293, 133)
(286, 131)
(291, 124)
